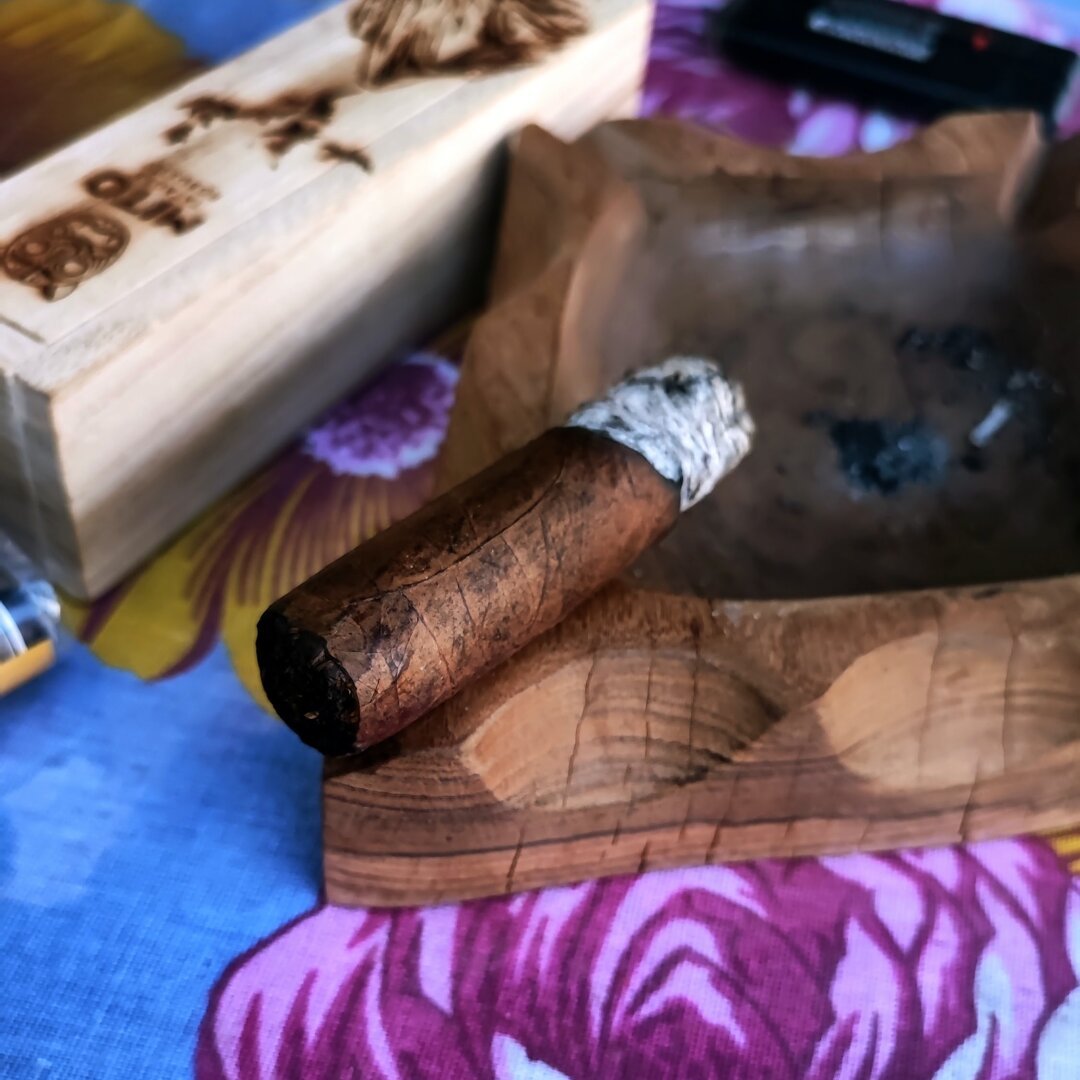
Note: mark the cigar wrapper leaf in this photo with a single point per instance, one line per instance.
(401, 623)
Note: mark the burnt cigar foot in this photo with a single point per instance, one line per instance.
(398, 625)
(306, 685)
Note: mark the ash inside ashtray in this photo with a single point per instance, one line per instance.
(876, 455)
(884, 455)
(1018, 393)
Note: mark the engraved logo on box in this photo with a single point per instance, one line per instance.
(158, 193)
(58, 255)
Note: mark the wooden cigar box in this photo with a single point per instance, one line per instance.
(868, 635)
(185, 287)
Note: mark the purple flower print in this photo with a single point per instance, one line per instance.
(367, 463)
(950, 963)
(396, 424)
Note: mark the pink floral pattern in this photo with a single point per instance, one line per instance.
(949, 963)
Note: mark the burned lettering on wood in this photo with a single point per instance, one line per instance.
(55, 256)
(354, 155)
(282, 138)
(399, 40)
(58, 255)
(158, 193)
(289, 118)
(179, 133)
(459, 35)
(206, 109)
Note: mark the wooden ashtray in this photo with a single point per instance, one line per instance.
(869, 635)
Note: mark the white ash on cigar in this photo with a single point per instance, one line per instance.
(683, 416)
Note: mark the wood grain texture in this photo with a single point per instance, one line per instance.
(653, 731)
(837, 651)
(169, 282)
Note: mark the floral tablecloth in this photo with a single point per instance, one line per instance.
(159, 839)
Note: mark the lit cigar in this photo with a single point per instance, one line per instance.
(402, 622)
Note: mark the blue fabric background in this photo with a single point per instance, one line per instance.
(219, 29)
(157, 830)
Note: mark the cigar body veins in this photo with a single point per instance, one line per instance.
(398, 625)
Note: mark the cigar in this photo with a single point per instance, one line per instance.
(402, 622)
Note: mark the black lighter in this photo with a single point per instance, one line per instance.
(910, 61)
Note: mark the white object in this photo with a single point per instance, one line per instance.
(683, 416)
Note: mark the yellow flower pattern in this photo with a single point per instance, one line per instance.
(368, 463)
(67, 66)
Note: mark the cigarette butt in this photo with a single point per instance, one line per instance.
(998, 416)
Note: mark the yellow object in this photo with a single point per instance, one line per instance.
(67, 66)
(1067, 845)
(216, 579)
(26, 666)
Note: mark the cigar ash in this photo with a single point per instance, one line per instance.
(683, 416)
